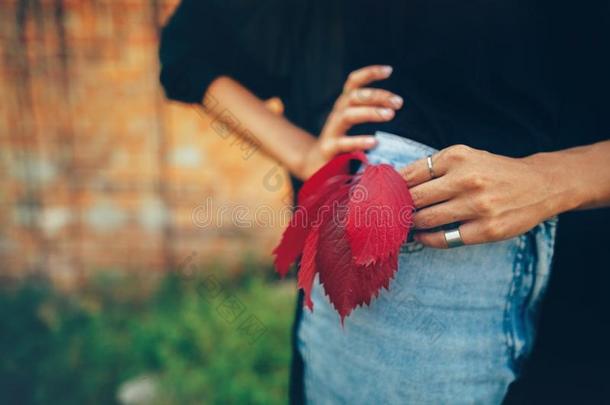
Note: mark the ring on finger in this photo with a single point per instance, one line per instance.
(453, 238)
(430, 167)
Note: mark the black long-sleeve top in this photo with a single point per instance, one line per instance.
(513, 77)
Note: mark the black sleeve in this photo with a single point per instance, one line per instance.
(250, 41)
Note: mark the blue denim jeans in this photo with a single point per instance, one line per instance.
(454, 327)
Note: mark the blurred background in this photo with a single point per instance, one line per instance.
(124, 275)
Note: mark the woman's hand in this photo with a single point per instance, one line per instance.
(493, 197)
(356, 105)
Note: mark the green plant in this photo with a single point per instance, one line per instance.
(80, 347)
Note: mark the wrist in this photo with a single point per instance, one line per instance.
(300, 162)
(564, 192)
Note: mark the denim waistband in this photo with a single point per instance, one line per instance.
(389, 144)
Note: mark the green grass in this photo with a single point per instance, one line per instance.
(79, 348)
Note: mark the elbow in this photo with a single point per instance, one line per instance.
(188, 65)
(186, 80)
(186, 83)
(175, 85)
(182, 76)
(174, 61)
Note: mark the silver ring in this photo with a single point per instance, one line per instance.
(453, 238)
(430, 168)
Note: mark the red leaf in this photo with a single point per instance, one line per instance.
(307, 271)
(305, 216)
(378, 275)
(348, 229)
(325, 215)
(340, 164)
(311, 195)
(342, 280)
(379, 218)
(291, 244)
(347, 284)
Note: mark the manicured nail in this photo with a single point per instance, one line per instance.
(385, 112)
(396, 101)
(387, 70)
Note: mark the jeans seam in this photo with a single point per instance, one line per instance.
(509, 307)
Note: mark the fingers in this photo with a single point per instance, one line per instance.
(371, 97)
(334, 146)
(432, 239)
(366, 75)
(472, 233)
(433, 192)
(339, 122)
(418, 172)
(442, 214)
(359, 105)
(484, 230)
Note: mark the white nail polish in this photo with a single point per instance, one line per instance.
(385, 112)
(396, 101)
(387, 70)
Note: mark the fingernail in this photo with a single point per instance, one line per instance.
(387, 70)
(385, 112)
(370, 141)
(396, 101)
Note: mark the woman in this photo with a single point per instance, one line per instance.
(520, 82)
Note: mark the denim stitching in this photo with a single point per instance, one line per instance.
(529, 281)
(515, 284)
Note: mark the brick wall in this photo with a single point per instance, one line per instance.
(97, 170)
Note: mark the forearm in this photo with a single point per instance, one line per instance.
(579, 177)
(278, 137)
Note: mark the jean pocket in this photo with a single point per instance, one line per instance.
(520, 314)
